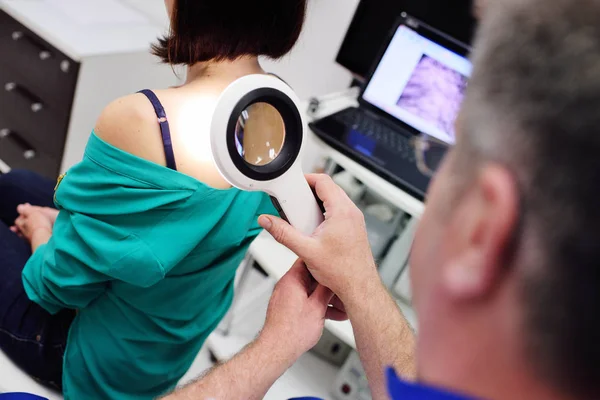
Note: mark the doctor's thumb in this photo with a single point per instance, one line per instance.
(285, 234)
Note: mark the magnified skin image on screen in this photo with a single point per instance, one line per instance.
(434, 93)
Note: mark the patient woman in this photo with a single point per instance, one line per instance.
(113, 296)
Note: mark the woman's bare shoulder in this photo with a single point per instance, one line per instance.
(130, 124)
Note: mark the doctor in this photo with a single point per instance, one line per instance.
(506, 263)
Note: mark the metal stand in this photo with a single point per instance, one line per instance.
(330, 167)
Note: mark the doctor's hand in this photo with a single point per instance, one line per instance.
(338, 253)
(297, 312)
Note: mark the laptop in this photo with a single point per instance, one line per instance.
(417, 86)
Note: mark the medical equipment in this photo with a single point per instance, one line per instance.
(257, 137)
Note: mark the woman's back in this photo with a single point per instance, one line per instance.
(189, 110)
(150, 252)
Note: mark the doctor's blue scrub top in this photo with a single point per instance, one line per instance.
(401, 390)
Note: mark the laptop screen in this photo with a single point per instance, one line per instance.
(421, 83)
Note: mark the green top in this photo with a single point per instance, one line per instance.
(148, 255)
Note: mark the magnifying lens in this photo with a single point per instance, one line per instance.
(257, 136)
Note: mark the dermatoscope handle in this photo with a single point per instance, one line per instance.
(300, 207)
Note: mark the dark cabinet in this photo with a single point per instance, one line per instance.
(37, 86)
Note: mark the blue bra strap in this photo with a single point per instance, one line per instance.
(165, 131)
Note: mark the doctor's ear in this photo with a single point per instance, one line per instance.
(483, 229)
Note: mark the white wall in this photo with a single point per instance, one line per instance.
(154, 9)
(310, 68)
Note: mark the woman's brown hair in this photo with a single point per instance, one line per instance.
(203, 30)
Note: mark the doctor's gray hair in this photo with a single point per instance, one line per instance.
(533, 105)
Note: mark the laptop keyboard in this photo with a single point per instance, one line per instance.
(379, 132)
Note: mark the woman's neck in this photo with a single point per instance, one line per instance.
(223, 70)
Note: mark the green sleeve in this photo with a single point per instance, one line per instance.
(107, 223)
(80, 261)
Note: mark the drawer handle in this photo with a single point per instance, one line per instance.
(65, 66)
(36, 104)
(44, 53)
(28, 150)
